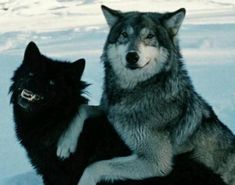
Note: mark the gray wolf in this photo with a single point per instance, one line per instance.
(149, 99)
(46, 95)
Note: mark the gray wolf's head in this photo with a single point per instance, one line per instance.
(141, 44)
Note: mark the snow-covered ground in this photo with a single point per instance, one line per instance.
(70, 29)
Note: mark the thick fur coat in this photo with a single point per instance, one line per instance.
(40, 123)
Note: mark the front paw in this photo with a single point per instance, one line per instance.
(66, 145)
(68, 141)
(88, 178)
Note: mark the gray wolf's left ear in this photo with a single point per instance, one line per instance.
(173, 20)
(111, 15)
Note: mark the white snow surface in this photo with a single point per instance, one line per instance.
(72, 29)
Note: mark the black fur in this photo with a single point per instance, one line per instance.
(39, 125)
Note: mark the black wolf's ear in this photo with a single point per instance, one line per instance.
(111, 15)
(173, 20)
(78, 67)
(31, 52)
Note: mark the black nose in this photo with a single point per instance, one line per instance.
(132, 57)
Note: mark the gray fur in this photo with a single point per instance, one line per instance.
(166, 103)
(154, 107)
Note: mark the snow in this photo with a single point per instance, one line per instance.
(72, 29)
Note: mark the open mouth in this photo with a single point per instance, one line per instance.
(27, 99)
(30, 96)
(135, 66)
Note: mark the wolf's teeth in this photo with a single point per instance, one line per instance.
(28, 95)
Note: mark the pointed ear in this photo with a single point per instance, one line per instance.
(111, 15)
(173, 21)
(31, 52)
(78, 67)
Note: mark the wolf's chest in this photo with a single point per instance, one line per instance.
(147, 112)
(133, 134)
(128, 114)
(130, 122)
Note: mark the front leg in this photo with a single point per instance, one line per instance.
(68, 141)
(134, 167)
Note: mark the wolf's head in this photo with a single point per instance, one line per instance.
(41, 83)
(141, 44)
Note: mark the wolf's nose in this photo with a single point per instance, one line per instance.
(132, 57)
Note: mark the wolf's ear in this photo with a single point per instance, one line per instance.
(31, 52)
(173, 21)
(79, 66)
(110, 15)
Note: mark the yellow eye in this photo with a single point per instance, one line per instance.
(124, 34)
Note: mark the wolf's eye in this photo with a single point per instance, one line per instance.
(51, 82)
(150, 36)
(124, 34)
(31, 74)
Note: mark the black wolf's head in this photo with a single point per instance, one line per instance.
(141, 44)
(41, 83)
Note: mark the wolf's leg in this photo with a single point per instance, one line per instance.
(148, 164)
(68, 141)
(229, 174)
(225, 166)
(215, 148)
(221, 163)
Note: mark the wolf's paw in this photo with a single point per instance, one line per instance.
(88, 178)
(67, 143)
(66, 146)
